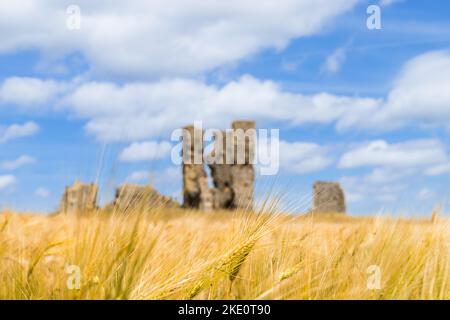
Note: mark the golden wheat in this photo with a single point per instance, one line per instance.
(175, 254)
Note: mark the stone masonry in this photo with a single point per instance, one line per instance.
(79, 198)
(223, 194)
(328, 198)
(196, 193)
(242, 171)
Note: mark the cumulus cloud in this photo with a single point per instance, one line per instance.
(421, 91)
(6, 181)
(140, 110)
(415, 153)
(28, 92)
(17, 163)
(191, 38)
(419, 96)
(360, 188)
(14, 131)
(142, 151)
(391, 165)
(172, 37)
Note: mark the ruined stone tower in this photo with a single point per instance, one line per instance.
(232, 175)
(328, 198)
(196, 193)
(233, 178)
(79, 198)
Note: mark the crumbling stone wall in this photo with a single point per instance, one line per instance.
(79, 198)
(196, 192)
(132, 196)
(328, 197)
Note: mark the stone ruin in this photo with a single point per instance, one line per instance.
(79, 198)
(132, 196)
(328, 198)
(233, 177)
(233, 182)
(196, 192)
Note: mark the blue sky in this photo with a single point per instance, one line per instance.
(368, 108)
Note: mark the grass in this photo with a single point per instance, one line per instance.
(176, 254)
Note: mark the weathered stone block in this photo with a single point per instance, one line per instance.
(222, 198)
(243, 177)
(79, 198)
(328, 198)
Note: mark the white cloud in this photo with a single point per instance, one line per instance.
(303, 157)
(420, 96)
(364, 187)
(385, 175)
(415, 153)
(142, 151)
(17, 163)
(392, 166)
(141, 110)
(334, 61)
(421, 91)
(28, 92)
(14, 131)
(170, 37)
(42, 192)
(7, 181)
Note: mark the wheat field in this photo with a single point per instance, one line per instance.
(179, 254)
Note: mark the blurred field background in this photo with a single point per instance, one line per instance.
(180, 254)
